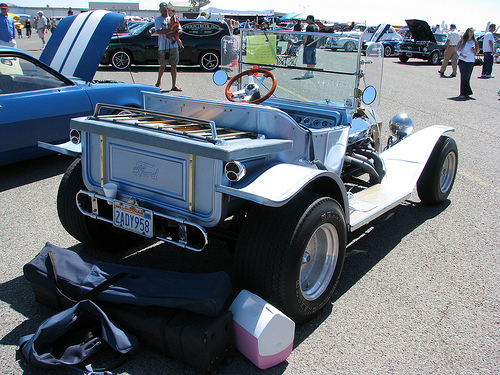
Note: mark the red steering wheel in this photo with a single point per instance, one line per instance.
(250, 93)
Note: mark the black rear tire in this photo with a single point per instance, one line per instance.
(280, 254)
(387, 51)
(436, 181)
(92, 232)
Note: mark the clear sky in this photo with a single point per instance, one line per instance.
(464, 13)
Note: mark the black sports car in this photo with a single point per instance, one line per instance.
(201, 40)
(421, 43)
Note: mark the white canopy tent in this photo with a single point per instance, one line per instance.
(232, 8)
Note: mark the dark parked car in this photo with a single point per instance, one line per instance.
(421, 43)
(201, 40)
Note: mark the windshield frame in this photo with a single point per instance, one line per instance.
(336, 75)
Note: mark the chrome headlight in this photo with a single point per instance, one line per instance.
(401, 125)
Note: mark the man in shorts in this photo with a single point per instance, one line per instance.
(41, 26)
(309, 56)
(168, 49)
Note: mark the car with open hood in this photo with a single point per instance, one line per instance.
(201, 40)
(421, 43)
(38, 97)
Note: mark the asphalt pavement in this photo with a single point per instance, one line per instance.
(420, 290)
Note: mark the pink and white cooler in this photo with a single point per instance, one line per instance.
(263, 334)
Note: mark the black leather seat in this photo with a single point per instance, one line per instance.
(7, 84)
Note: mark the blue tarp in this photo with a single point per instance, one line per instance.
(288, 16)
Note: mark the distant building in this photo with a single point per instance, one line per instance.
(116, 7)
(182, 7)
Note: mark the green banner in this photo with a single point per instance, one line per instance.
(261, 49)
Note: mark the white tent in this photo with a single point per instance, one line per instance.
(232, 8)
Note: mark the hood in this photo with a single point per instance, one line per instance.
(379, 32)
(78, 43)
(420, 31)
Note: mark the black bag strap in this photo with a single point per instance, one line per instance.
(89, 369)
(91, 293)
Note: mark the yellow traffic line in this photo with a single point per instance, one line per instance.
(479, 181)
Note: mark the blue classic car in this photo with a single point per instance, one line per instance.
(389, 46)
(39, 97)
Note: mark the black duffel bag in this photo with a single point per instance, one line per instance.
(202, 342)
(73, 337)
(61, 277)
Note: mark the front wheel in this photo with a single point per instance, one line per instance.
(403, 58)
(435, 183)
(92, 232)
(209, 61)
(121, 60)
(292, 256)
(434, 58)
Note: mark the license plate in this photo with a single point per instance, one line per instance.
(132, 218)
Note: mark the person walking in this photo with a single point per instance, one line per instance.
(467, 48)
(488, 50)
(27, 26)
(7, 28)
(309, 56)
(168, 49)
(450, 52)
(41, 27)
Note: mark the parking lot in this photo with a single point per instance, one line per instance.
(420, 290)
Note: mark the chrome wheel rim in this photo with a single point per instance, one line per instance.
(319, 261)
(121, 60)
(448, 172)
(210, 61)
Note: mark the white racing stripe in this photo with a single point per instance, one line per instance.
(81, 43)
(75, 41)
(67, 41)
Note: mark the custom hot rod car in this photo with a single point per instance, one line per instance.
(283, 168)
